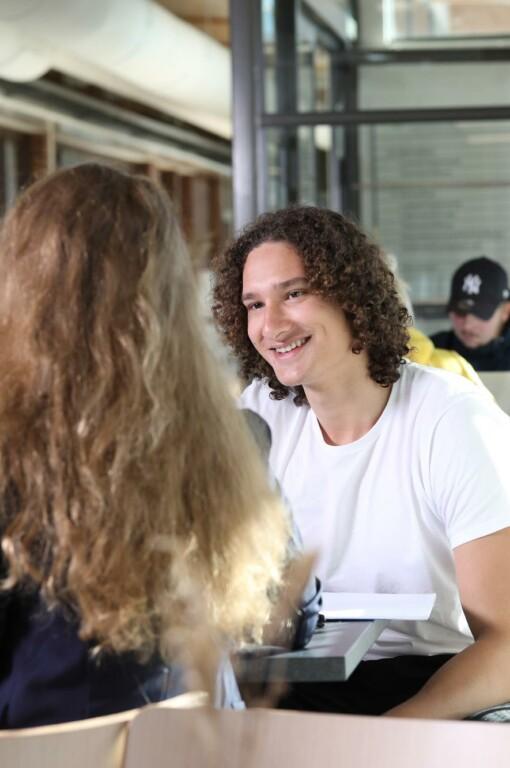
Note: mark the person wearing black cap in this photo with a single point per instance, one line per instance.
(479, 310)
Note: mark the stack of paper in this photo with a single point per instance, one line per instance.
(359, 605)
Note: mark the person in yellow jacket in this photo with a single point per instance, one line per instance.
(422, 349)
(425, 352)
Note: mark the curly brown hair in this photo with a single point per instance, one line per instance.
(342, 265)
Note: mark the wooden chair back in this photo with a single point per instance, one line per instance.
(95, 743)
(98, 742)
(273, 739)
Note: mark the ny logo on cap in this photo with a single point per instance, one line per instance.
(472, 284)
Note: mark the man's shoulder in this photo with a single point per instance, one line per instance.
(257, 397)
(443, 339)
(437, 388)
(504, 348)
(444, 413)
(254, 396)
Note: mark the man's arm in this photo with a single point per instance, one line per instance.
(479, 676)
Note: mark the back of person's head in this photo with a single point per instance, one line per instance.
(124, 468)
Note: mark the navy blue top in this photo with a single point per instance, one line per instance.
(47, 674)
(494, 356)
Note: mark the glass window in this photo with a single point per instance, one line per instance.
(304, 166)
(396, 23)
(300, 41)
(415, 19)
(435, 195)
(408, 86)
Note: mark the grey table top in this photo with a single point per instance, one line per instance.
(333, 653)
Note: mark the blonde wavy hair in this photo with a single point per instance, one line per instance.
(124, 467)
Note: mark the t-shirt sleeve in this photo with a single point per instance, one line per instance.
(256, 398)
(469, 472)
(253, 397)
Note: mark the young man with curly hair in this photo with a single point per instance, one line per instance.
(396, 473)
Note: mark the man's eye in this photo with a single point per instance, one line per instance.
(296, 293)
(253, 305)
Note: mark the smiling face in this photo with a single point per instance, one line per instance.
(474, 332)
(304, 337)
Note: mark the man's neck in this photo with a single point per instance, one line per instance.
(349, 408)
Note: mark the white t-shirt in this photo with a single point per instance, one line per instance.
(385, 512)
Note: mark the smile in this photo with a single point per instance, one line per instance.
(291, 346)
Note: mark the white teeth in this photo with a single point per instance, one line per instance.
(291, 346)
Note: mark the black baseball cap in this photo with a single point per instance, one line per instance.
(478, 288)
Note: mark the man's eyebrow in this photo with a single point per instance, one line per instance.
(282, 286)
(292, 281)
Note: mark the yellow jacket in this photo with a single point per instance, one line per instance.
(423, 351)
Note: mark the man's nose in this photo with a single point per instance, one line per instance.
(468, 321)
(275, 323)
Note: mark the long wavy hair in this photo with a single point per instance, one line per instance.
(341, 264)
(124, 467)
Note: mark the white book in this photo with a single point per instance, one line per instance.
(360, 605)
